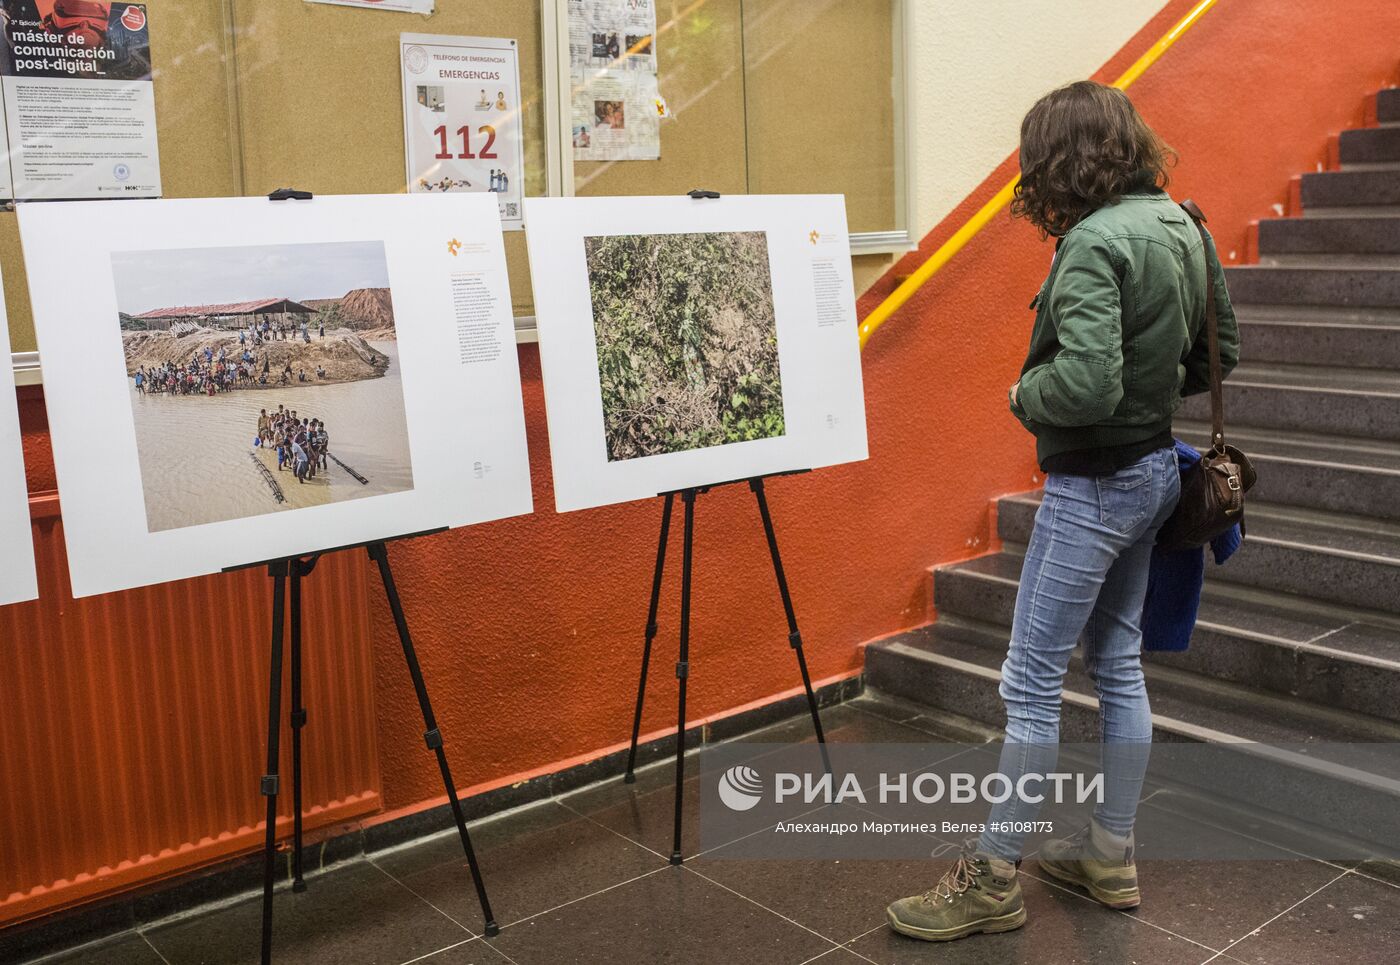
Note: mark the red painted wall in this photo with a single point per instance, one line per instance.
(530, 629)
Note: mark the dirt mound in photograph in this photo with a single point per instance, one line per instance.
(345, 356)
(360, 310)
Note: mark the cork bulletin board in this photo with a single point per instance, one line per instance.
(766, 96)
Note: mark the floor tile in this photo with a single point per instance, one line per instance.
(838, 956)
(1216, 902)
(1386, 871)
(670, 916)
(838, 899)
(476, 951)
(1060, 928)
(123, 950)
(939, 726)
(644, 811)
(531, 860)
(1355, 921)
(352, 914)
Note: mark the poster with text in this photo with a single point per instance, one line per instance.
(687, 342)
(79, 99)
(17, 578)
(461, 119)
(616, 105)
(394, 6)
(240, 380)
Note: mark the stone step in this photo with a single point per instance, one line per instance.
(1388, 105)
(1348, 402)
(955, 666)
(1370, 145)
(1336, 657)
(1341, 338)
(1356, 476)
(1375, 190)
(1329, 235)
(1350, 561)
(1355, 285)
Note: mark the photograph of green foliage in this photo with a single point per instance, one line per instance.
(687, 341)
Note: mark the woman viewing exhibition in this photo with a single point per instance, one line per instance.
(1119, 338)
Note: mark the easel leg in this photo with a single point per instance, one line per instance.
(297, 720)
(794, 635)
(650, 633)
(683, 665)
(431, 735)
(278, 572)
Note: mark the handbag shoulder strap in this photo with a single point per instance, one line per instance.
(1217, 393)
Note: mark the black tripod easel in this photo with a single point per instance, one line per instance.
(294, 569)
(688, 498)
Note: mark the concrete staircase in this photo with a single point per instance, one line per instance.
(1299, 635)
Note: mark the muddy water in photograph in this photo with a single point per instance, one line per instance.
(195, 451)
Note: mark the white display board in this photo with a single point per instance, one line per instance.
(381, 321)
(462, 118)
(686, 342)
(17, 580)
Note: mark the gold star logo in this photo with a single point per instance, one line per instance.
(814, 236)
(454, 246)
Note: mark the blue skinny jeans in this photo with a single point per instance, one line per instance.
(1085, 577)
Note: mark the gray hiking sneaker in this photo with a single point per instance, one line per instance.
(978, 894)
(1098, 861)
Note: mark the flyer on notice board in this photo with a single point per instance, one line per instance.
(616, 104)
(461, 118)
(79, 100)
(396, 6)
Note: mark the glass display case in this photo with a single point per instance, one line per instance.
(760, 96)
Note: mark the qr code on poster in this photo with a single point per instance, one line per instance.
(512, 209)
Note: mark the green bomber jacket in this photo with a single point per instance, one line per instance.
(1119, 335)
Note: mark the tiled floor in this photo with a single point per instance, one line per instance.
(585, 878)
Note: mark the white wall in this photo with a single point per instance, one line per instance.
(977, 67)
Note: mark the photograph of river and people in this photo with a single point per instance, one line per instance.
(262, 379)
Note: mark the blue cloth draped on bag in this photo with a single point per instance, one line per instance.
(1175, 578)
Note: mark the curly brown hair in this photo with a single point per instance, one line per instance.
(1084, 146)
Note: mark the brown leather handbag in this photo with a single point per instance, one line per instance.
(1212, 491)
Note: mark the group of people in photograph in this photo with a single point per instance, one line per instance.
(301, 444)
(209, 373)
(282, 331)
(206, 373)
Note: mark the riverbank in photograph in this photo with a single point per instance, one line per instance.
(199, 463)
(340, 356)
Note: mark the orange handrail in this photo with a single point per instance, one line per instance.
(992, 208)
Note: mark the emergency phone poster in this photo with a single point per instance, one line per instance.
(461, 119)
(80, 113)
